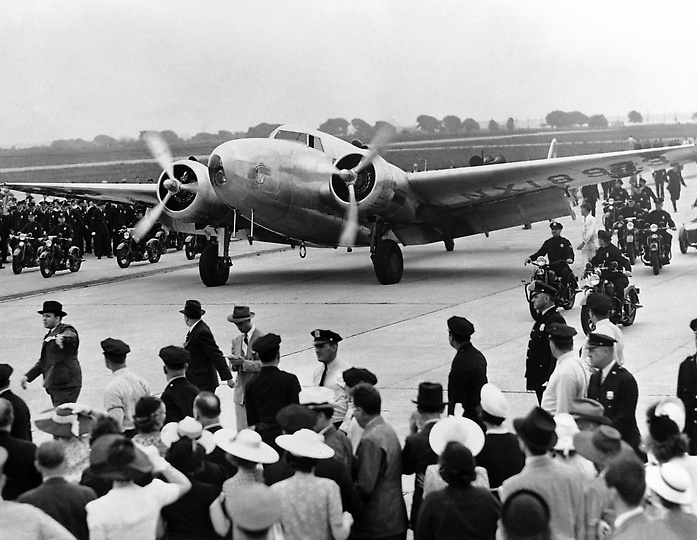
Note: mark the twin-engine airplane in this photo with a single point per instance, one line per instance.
(304, 187)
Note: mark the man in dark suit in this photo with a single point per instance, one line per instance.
(179, 395)
(207, 412)
(206, 357)
(19, 469)
(270, 391)
(540, 363)
(614, 387)
(21, 427)
(468, 370)
(687, 392)
(63, 501)
(417, 454)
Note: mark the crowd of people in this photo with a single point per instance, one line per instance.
(321, 462)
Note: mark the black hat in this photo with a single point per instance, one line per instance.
(5, 372)
(51, 306)
(430, 397)
(599, 303)
(295, 417)
(659, 200)
(115, 349)
(116, 457)
(174, 356)
(146, 406)
(267, 346)
(538, 287)
(560, 333)
(460, 327)
(353, 376)
(600, 340)
(588, 409)
(184, 456)
(537, 429)
(192, 309)
(525, 514)
(693, 325)
(556, 225)
(325, 336)
(604, 235)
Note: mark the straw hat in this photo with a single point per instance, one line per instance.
(190, 428)
(254, 507)
(245, 444)
(671, 482)
(458, 429)
(116, 457)
(305, 443)
(64, 423)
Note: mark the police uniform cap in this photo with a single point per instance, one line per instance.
(693, 325)
(267, 343)
(540, 287)
(325, 336)
(556, 225)
(604, 235)
(599, 303)
(460, 327)
(600, 340)
(5, 372)
(115, 348)
(174, 356)
(354, 376)
(561, 333)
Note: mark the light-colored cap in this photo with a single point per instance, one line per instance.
(190, 428)
(317, 396)
(493, 401)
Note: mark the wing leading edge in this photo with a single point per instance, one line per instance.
(119, 193)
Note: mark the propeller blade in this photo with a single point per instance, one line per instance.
(193, 187)
(348, 235)
(160, 151)
(382, 137)
(147, 222)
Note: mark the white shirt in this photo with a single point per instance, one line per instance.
(334, 379)
(589, 233)
(568, 381)
(121, 395)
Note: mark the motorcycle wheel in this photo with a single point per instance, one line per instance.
(586, 322)
(190, 251)
(123, 257)
(74, 260)
(630, 254)
(570, 294)
(683, 244)
(655, 263)
(629, 308)
(47, 267)
(154, 254)
(17, 265)
(180, 243)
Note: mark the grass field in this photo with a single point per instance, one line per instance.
(435, 153)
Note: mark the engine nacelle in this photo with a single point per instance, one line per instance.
(204, 206)
(381, 189)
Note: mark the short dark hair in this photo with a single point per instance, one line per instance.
(367, 398)
(106, 425)
(628, 477)
(7, 413)
(208, 404)
(490, 418)
(587, 206)
(328, 412)
(50, 454)
(300, 463)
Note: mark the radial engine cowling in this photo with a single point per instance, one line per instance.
(381, 189)
(200, 207)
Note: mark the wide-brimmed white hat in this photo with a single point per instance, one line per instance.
(245, 444)
(190, 428)
(671, 482)
(305, 443)
(566, 429)
(458, 429)
(317, 397)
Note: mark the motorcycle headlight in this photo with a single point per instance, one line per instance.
(541, 261)
(594, 279)
(653, 228)
(22, 237)
(21, 244)
(630, 226)
(49, 243)
(126, 235)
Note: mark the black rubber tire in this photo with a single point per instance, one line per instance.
(586, 323)
(629, 307)
(123, 257)
(154, 252)
(212, 270)
(449, 244)
(388, 262)
(74, 260)
(683, 244)
(190, 250)
(655, 263)
(47, 267)
(630, 254)
(17, 265)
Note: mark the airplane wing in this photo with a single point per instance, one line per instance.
(119, 193)
(471, 200)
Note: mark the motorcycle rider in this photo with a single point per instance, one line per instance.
(645, 195)
(607, 254)
(659, 216)
(630, 210)
(32, 226)
(558, 250)
(64, 232)
(618, 193)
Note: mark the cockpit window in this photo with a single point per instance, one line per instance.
(304, 138)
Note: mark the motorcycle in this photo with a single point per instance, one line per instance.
(609, 214)
(623, 309)
(174, 240)
(24, 252)
(629, 237)
(566, 296)
(56, 253)
(129, 250)
(194, 244)
(656, 254)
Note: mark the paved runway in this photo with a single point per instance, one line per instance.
(397, 331)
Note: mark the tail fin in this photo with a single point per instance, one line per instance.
(552, 149)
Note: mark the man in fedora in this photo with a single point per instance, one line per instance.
(329, 373)
(539, 362)
(560, 485)
(58, 362)
(21, 427)
(417, 454)
(179, 395)
(20, 470)
(468, 370)
(242, 359)
(206, 357)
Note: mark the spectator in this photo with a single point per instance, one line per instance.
(468, 370)
(565, 450)
(103, 426)
(671, 489)
(589, 234)
(525, 516)
(588, 413)
(20, 473)
(687, 392)
(255, 511)
(21, 425)
(247, 451)
(62, 500)
(352, 378)
(207, 411)
(148, 420)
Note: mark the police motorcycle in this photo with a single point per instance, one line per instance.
(55, 253)
(194, 244)
(24, 252)
(169, 239)
(610, 213)
(629, 237)
(566, 297)
(129, 250)
(687, 234)
(623, 309)
(656, 253)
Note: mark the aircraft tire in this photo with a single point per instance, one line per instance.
(388, 262)
(449, 244)
(212, 270)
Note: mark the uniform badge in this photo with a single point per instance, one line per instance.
(610, 395)
(542, 327)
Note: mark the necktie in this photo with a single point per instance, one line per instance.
(324, 374)
(246, 343)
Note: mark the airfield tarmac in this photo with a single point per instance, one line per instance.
(398, 331)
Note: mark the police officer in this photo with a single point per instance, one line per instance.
(468, 370)
(659, 216)
(607, 254)
(631, 209)
(558, 250)
(33, 227)
(645, 195)
(618, 193)
(687, 392)
(64, 231)
(329, 372)
(540, 363)
(179, 394)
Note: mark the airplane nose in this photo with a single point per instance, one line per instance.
(216, 171)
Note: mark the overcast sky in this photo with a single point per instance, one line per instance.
(81, 68)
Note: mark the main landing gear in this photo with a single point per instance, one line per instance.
(214, 264)
(386, 255)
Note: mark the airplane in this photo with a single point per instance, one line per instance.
(306, 188)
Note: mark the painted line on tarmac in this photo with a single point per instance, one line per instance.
(126, 277)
